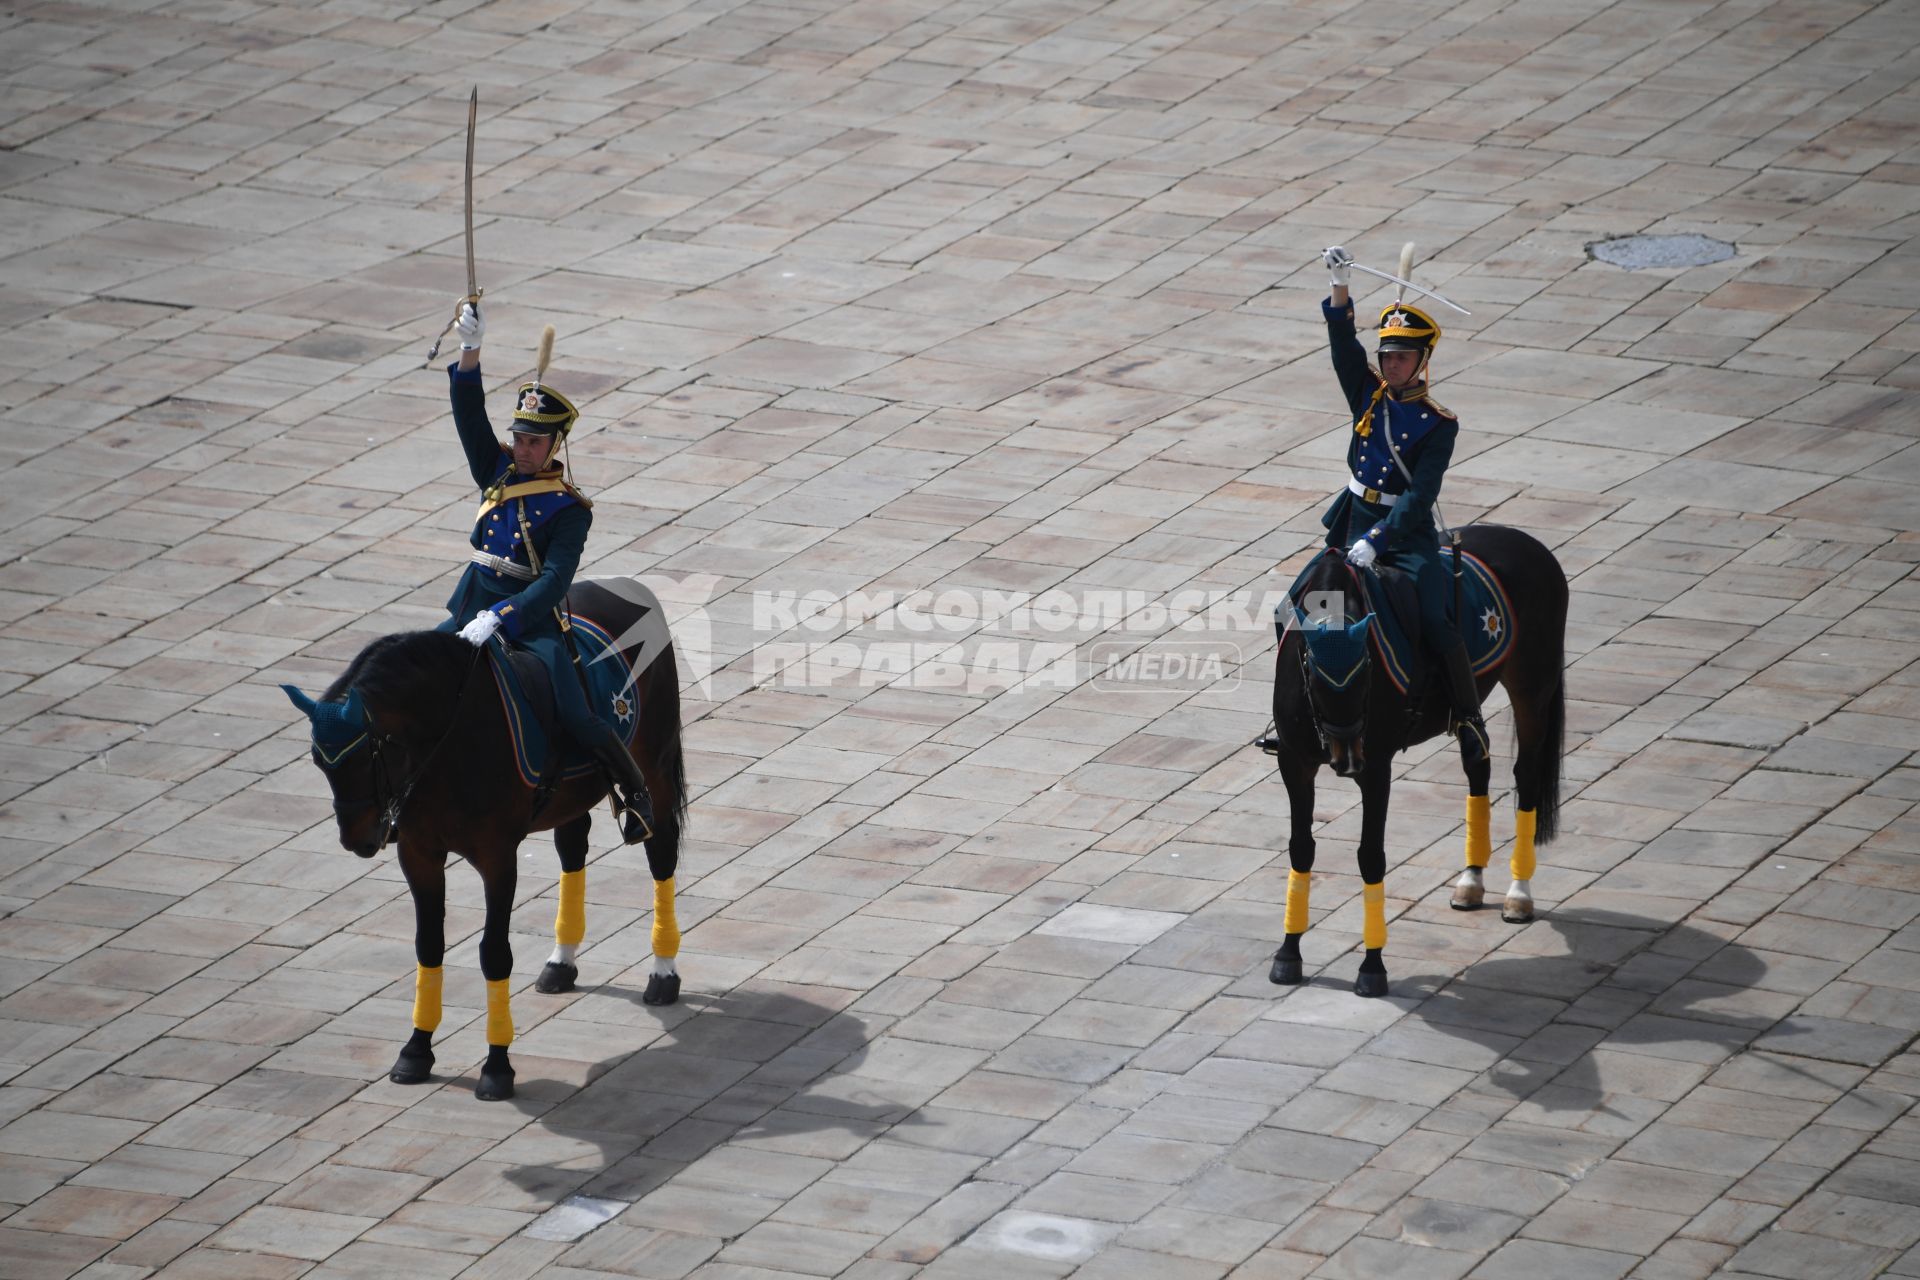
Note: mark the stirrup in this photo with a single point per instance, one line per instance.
(1269, 741)
(635, 825)
(1472, 732)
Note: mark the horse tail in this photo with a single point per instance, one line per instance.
(660, 722)
(1553, 593)
(1553, 744)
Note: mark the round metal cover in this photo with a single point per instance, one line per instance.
(1687, 250)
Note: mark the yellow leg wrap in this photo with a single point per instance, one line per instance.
(1523, 845)
(1298, 887)
(499, 1017)
(1479, 830)
(426, 998)
(1373, 929)
(570, 921)
(666, 931)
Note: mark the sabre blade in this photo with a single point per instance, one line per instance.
(473, 114)
(473, 279)
(1408, 284)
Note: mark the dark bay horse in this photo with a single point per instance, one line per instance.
(414, 741)
(1328, 709)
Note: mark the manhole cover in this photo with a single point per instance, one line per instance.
(1687, 250)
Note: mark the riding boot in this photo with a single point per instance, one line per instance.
(1464, 697)
(629, 785)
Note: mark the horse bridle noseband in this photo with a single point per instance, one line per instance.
(396, 797)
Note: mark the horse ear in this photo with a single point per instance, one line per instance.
(307, 705)
(1358, 631)
(354, 712)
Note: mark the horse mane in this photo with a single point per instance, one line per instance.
(1329, 571)
(407, 669)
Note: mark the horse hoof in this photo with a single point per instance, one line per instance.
(1517, 910)
(1468, 897)
(662, 988)
(496, 1084)
(1370, 984)
(556, 979)
(1286, 972)
(412, 1068)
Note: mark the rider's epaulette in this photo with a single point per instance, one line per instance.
(1441, 410)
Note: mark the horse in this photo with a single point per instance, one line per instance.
(414, 742)
(1329, 709)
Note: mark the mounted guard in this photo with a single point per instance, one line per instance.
(1350, 686)
(441, 741)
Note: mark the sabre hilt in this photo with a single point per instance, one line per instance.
(433, 353)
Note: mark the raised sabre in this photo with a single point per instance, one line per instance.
(1408, 284)
(473, 280)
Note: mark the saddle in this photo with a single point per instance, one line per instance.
(542, 753)
(1484, 621)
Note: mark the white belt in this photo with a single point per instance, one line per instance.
(1374, 496)
(500, 564)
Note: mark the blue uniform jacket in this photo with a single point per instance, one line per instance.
(1400, 526)
(558, 523)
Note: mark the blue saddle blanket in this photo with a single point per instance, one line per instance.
(531, 723)
(1485, 624)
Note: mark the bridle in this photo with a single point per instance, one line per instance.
(389, 799)
(1326, 732)
(1309, 673)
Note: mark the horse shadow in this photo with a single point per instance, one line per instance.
(1591, 1010)
(757, 1066)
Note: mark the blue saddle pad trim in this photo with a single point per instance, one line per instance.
(1486, 622)
(608, 693)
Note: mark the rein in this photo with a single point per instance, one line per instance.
(397, 797)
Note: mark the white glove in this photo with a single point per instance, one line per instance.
(1339, 265)
(484, 624)
(1362, 554)
(470, 327)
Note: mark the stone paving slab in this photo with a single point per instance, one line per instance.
(981, 302)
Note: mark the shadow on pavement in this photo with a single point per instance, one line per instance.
(759, 1067)
(1577, 984)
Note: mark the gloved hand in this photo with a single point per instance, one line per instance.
(1339, 265)
(484, 624)
(1361, 554)
(470, 327)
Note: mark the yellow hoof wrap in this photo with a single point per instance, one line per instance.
(570, 921)
(499, 1017)
(1523, 845)
(666, 931)
(426, 998)
(1299, 885)
(1373, 929)
(1479, 830)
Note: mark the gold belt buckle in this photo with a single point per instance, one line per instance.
(1372, 495)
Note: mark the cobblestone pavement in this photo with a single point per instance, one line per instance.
(895, 294)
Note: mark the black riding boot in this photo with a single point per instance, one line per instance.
(629, 785)
(1464, 697)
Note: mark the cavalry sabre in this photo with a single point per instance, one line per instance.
(1405, 283)
(473, 281)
